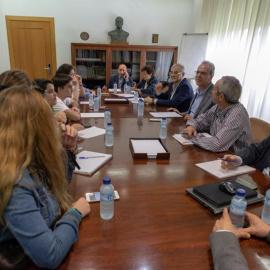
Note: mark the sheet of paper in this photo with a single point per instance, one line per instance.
(92, 161)
(84, 102)
(182, 140)
(150, 147)
(132, 101)
(165, 114)
(91, 132)
(118, 90)
(92, 115)
(125, 95)
(214, 167)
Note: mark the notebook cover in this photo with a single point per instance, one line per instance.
(214, 195)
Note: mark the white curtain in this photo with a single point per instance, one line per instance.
(163, 64)
(239, 45)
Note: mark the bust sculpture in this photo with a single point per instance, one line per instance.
(119, 34)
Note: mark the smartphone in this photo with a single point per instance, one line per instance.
(95, 196)
(86, 124)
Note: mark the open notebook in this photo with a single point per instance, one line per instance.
(90, 161)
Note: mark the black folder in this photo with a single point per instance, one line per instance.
(215, 196)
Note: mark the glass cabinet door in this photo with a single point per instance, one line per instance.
(91, 66)
(161, 62)
(131, 59)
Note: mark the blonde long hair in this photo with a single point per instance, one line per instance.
(29, 139)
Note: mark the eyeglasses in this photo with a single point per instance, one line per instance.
(176, 73)
(203, 73)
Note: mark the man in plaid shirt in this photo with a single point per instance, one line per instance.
(227, 121)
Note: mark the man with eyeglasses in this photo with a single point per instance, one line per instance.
(120, 79)
(227, 121)
(176, 94)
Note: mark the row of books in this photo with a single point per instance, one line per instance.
(91, 54)
(93, 72)
(126, 56)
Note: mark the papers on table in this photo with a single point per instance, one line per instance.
(125, 95)
(182, 140)
(214, 167)
(118, 90)
(132, 100)
(90, 161)
(165, 114)
(150, 147)
(91, 132)
(84, 102)
(92, 115)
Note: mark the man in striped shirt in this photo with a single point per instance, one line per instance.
(227, 121)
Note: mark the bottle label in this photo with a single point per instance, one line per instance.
(237, 210)
(105, 197)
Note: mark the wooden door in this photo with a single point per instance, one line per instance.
(32, 45)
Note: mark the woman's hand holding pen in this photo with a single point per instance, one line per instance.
(189, 132)
(230, 162)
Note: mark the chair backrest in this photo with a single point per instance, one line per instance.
(259, 129)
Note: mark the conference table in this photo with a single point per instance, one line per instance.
(156, 225)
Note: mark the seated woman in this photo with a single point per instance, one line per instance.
(46, 87)
(77, 79)
(35, 208)
(14, 77)
(146, 87)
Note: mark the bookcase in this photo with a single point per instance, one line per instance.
(97, 62)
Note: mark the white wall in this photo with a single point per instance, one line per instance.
(142, 18)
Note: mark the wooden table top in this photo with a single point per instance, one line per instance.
(156, 224)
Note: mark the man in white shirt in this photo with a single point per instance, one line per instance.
(63, 87)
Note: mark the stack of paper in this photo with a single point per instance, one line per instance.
(165, 114)
(90, 161)
(118, 90)
(92, 115)
(214, 167)
(182, 140)
(91, 132)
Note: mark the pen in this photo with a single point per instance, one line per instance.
(229, 160)
(90, 157)
(184, 133)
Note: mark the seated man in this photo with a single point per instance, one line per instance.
(202, 100)
(227, 120)
(256, 155)
(179, 93)
(225, 248)
(146, 87)
(120, 79)
(63, 87)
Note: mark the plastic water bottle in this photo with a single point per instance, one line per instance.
(99, 92)
(109, 135)
(140, 107)
(106, 199)
(115, 88)
(128, 89)
(163, 128)
(107, 117)
(96, 104)
(91, 99)
(136, 95)
(125, 88)
(266, 208)
(238, 208)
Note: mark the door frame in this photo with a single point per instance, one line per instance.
(31, 19)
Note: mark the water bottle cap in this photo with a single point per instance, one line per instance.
(106, 180)
(141, 99)
(241, 192)
(163, 118)
(109, 124)
(107, 109)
